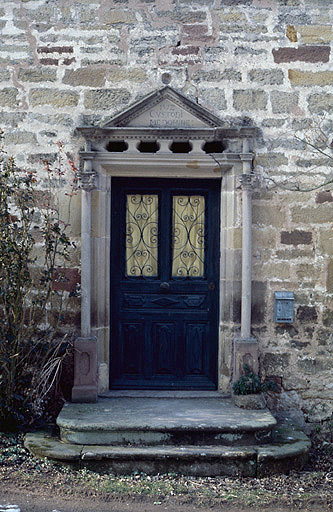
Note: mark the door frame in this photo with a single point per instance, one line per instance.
(211, 190)
(96, 204)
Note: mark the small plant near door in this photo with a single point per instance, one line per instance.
(33, 245)
(248, 389)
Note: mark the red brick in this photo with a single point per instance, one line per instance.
(324, 197)
(66, 279)
(55, 49)
(296, 237)
(302, 53)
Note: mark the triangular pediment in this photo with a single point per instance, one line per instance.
(165, 108)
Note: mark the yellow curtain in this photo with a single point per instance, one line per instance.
(142, 235)
(188, 218)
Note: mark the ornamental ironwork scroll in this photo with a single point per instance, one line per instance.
(188, 236)
(142, 235)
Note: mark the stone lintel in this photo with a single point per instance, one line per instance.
(246, 351)
(85, 370)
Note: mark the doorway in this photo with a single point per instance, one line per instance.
(164, 283)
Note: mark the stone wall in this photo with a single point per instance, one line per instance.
(252, 62)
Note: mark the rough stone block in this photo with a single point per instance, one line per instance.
(320, 103)
(89, 77)
(12, 119)
(54, 97)
(266, 76)
(309, 79)
(271, 160)
(85, 370)
(250, 99)
(37, 75)
(106, 98)
(296, 237)
(326, 241)
(329, 277)
(315, 33)
(214, 97)
(4, 75)
(291, 33)
(319, 215)
(283, 102)
(20, 137)
(8, 97)
(302, 53)
(324, 196)
(275, 364)
(328, 318)
(307, 314)
(118, 16)
(131, 75)
(268, 216)
(66, 279)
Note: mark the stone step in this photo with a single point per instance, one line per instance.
(151, 421)
(288, 451)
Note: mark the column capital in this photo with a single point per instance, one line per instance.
(248, 181)
(87, 180)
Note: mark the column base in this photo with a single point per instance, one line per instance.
(246, 351)
(85, 387)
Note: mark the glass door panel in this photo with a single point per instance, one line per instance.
(142, 235)
(188, 236)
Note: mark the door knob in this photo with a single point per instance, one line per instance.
(164, 286)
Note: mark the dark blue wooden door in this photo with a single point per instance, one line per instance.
(164, 288)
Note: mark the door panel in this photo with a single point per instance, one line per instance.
(164, 289)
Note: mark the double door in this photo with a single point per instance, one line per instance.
(164, 284)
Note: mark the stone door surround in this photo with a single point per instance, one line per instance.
(147, 140)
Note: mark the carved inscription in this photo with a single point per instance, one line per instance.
(167, 115)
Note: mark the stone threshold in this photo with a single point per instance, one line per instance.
(288, 451)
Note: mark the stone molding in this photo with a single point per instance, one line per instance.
(248, 181)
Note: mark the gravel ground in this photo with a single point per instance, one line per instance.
(309, 489)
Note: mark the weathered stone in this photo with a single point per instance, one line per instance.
(132, 75)
(273, 123)
(115, 16)
(320, 103)
(105, 98)
(294, 254)
(307, 314)
(54, 97)
(271, 160)
(11, 119)
(49, 62)
(244, 50)
(310, 366)
(250, 99)
(284, 102)
(217, 76)
(266, 76)
(326, 241)
(328, 318)
(308, 78)
(321, 214)
(268, 216)
(329, 277)
(20, 137)
(57, 119)
(258, 303)
(214, 97)
(296, 237)
(291, 33)
(302, 53)
(89, 77)
(8, 97)
(4, 75)
(324, 196)
(323, 336)
(305, 271)
(315, 33)
(275, 364)
(42, 157)
(55, 49)
(37, 75)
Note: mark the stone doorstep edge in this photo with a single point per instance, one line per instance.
(287, 455)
